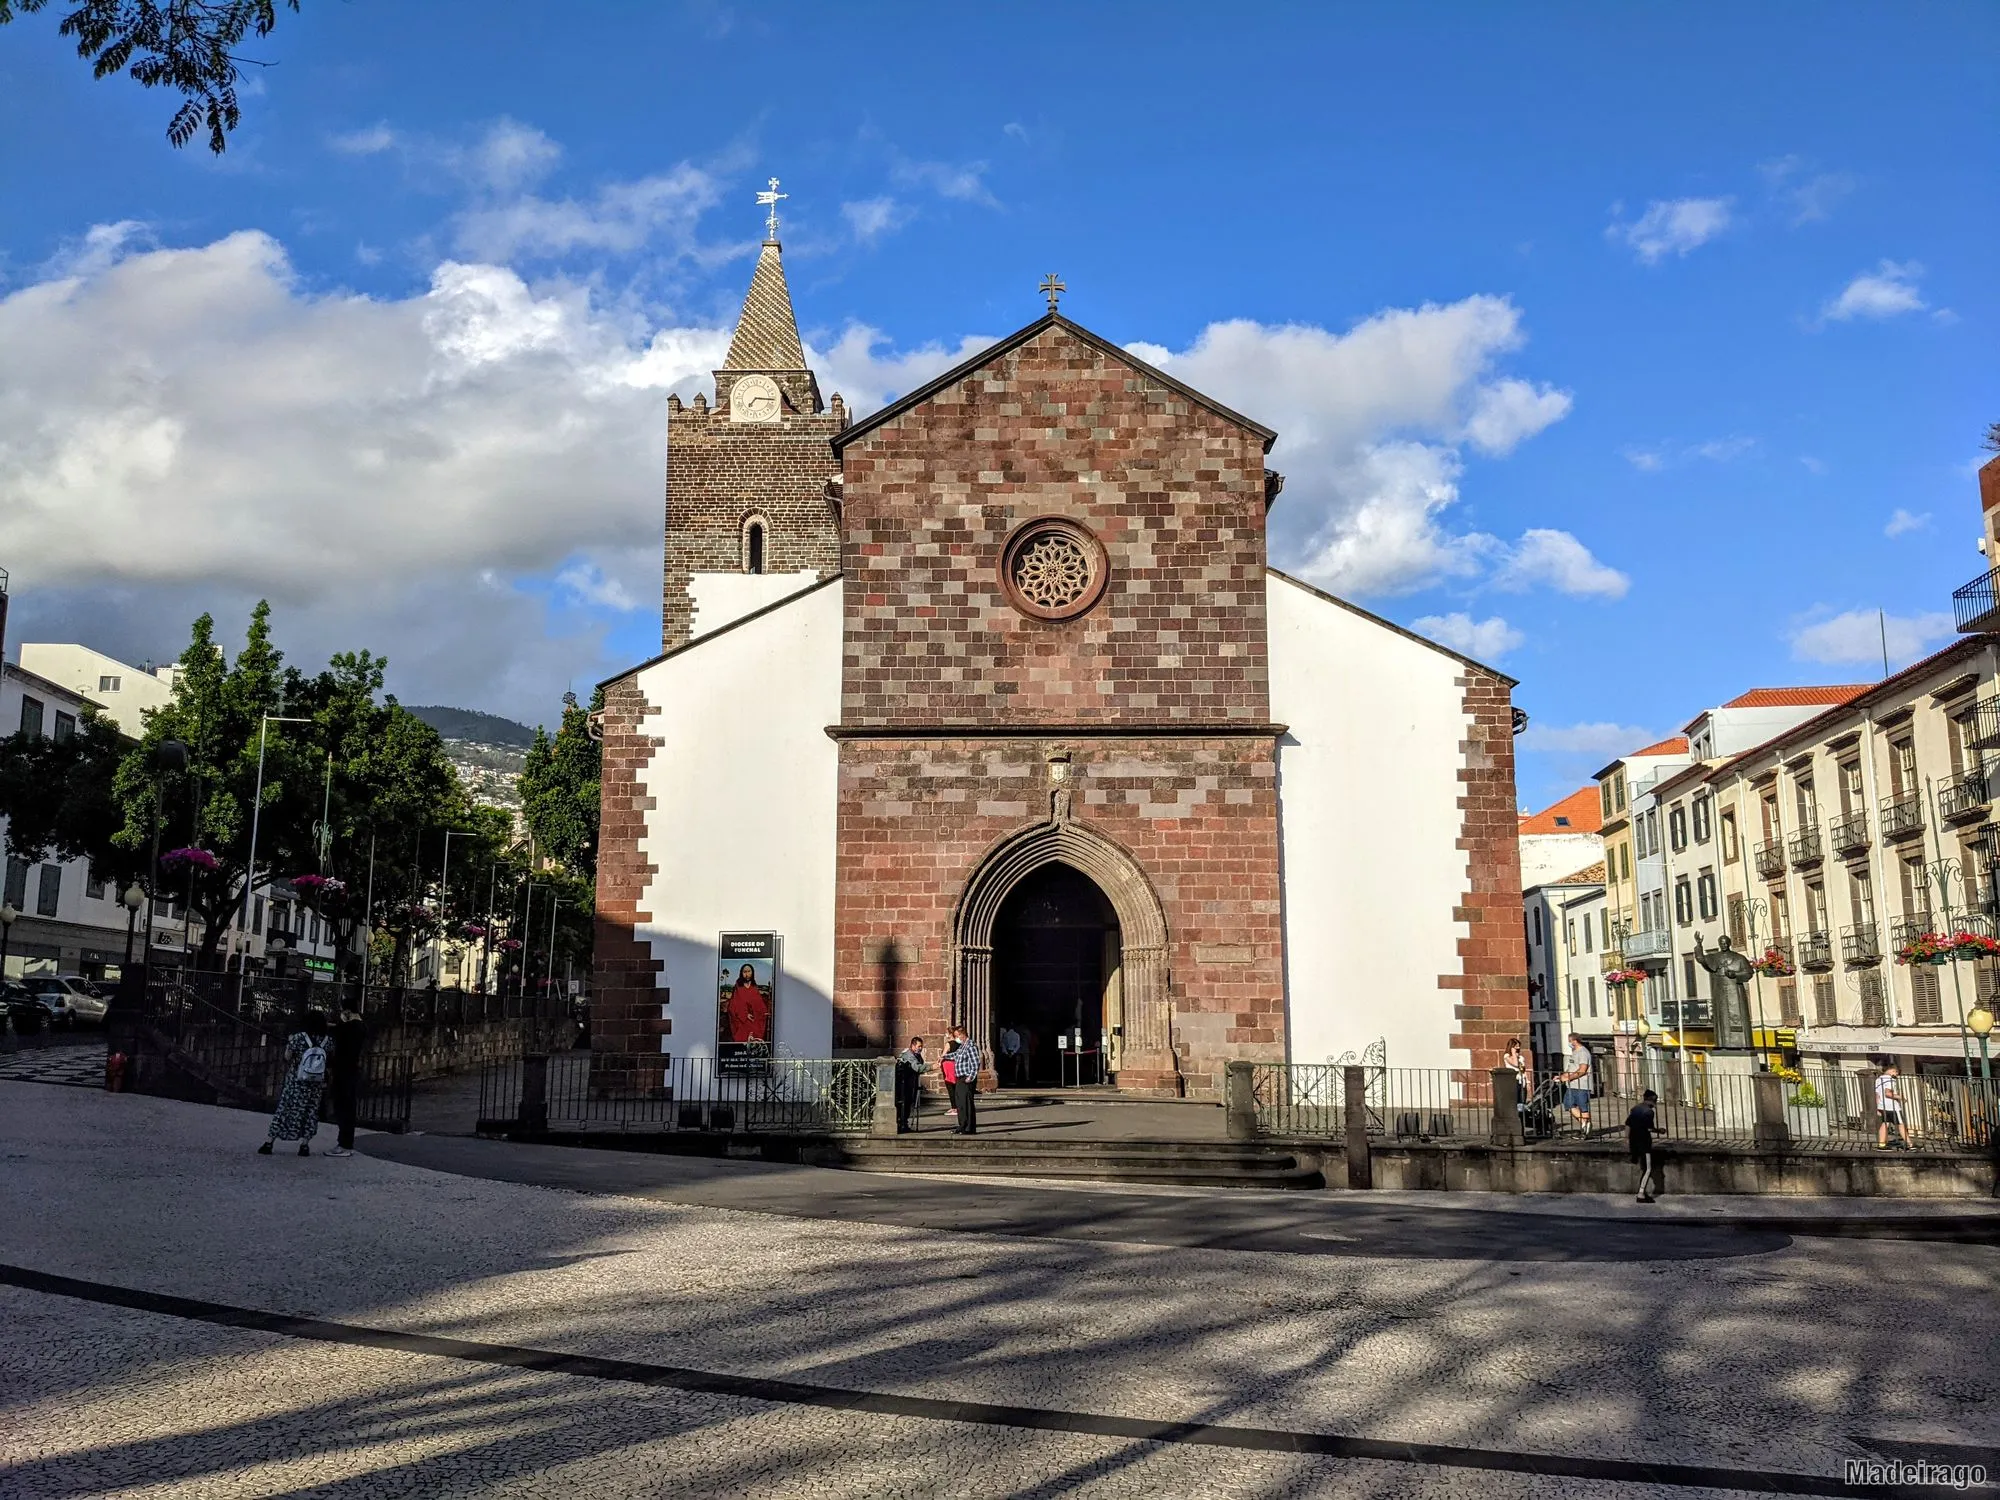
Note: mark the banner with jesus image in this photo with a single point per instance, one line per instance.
(746, 999)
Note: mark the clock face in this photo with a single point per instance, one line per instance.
(754, 398)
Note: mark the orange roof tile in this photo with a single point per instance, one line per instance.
(1579, 812)
(1798, 697)
(1673, 744)
(1588, 875)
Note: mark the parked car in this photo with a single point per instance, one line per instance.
(86, 1003)
(25, 1014)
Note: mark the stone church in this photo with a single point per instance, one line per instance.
(988, 707)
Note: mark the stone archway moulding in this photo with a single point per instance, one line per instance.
(1148, 1060)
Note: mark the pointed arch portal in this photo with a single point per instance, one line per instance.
(1143, 1011)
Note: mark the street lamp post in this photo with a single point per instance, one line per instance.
(444, 894)
(1755, 907)
(133, 899)
(8, 916)
(1944, 873)
(168, 755)
(256, 814)
(1980, 1021)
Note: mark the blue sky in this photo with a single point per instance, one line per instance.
(1632, 348)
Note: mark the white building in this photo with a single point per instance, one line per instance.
(1559, 914)
(124, 692)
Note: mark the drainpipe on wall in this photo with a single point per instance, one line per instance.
(1877, 870)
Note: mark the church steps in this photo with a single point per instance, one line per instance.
(1153, 1162)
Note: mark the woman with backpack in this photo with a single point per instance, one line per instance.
(297, 1115)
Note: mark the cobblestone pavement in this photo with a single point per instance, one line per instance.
(66, 1059)
(1768, 1365)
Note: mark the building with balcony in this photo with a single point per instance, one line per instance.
(1851, 834)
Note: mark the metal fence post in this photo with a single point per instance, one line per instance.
(1771, 1128)
(1507, 1129)
(1354, 1095)
(1239, 1099)
(533, 1112)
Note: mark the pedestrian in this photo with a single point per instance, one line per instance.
(297, 1115)
(961, 1072)
(343, 1076)
(1889, 1107)
(1010, 1053)
(911, 1066)
(1516, 1061)
(1640, 1128)
(1576, 1082)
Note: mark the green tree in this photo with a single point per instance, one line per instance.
(559, 788)
(60, 801)
(188, 46)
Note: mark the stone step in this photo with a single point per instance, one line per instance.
(1156, 1162)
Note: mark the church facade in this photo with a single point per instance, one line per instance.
(988, 708)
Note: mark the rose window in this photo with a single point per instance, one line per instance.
(1053, 569)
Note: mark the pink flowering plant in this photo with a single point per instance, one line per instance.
(190, 858)
(1625, 976)
(1928, 948)
(1774, 963)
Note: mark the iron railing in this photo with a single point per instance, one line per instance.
(1815, 950)
(1770, 859)
(1984, 724)
(1902, 816)
(1905, 930)
(1861, 943)
(1976, 605)
(1805, 847)
(1649, 942)
(584, 1093)
(1849, 833)
(1963, 796)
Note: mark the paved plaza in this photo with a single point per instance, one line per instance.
(443, 1316)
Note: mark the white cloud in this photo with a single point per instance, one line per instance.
(509, 156)
(868, 376)
(1886, 292)
(656, 213)
(1646, 460)
(1488, 640)
(589, 584)
(964, 181)
(1559, 561)
(1815, 465)
(1370, 424)
(1602, 740)
(871, 218)
(1808, 196)
(1858, 635)
(1714, 450)
(371, 140)
(1015, 129)
(1902, 522)
(1674, 227)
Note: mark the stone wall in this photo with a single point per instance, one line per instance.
(1493, 977)
(626, 1001)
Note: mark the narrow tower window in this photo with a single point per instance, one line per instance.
(753, 547)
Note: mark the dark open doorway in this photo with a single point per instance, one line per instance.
(1055, 947)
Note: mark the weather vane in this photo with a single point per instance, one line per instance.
(1052, 288)
(770, 199)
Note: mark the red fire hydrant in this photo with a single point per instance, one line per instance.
(114, 1073)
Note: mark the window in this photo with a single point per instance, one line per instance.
(1575, 996)
(1852, 797)
(1826, 1008)
(1903, 767)
(1738, 930)
(1788, 1002)
(1538, 927)
(1816, 907)
(1808, 803)
(1688, 972)
(1618, 790)
(1769, 808)
(16, 894)
(1684, 901)
(1730, 851)
(1964, 752)
(65, 727)
(31, 717)
(93, 884)
(1562, 820)
(1928, 995)
(1625, 860)
(107, 684)
(1701, 820)
(1677, 828)
(1916, 894)
(315, 929)
(1871, 997)
(1604, 797)
(257, 916)
(1861, 897)
(49, 895)
(1590, 986)
(753, 547)
(1569, 937)
(1604, 927)
(1586, 932)
(1705, 896)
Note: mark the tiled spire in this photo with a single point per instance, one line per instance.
(767, 335)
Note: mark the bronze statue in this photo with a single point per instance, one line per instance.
(1729, 972)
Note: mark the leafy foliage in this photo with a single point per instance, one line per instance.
(60, 800)
(185, 45)
(559, 788)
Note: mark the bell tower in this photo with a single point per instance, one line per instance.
(752, 500)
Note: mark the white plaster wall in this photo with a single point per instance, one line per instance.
(1551, 856)
(744, 782)
(1369, 822)
(81, 669)
(719, 598)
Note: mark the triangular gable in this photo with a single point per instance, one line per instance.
(1014, 341)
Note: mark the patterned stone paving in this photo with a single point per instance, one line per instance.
(76, 1061)
(1772, 1366)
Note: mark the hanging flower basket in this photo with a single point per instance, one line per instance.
(472, 930)
(1775, 964)
(1929, 948)
(189, 858)
(1970, 945)
(1625, 976)
(509, 945)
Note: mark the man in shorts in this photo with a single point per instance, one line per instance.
(1576, 1082)
(1889, 1107)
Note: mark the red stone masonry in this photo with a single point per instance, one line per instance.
(626, 999)
(1493, 977)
